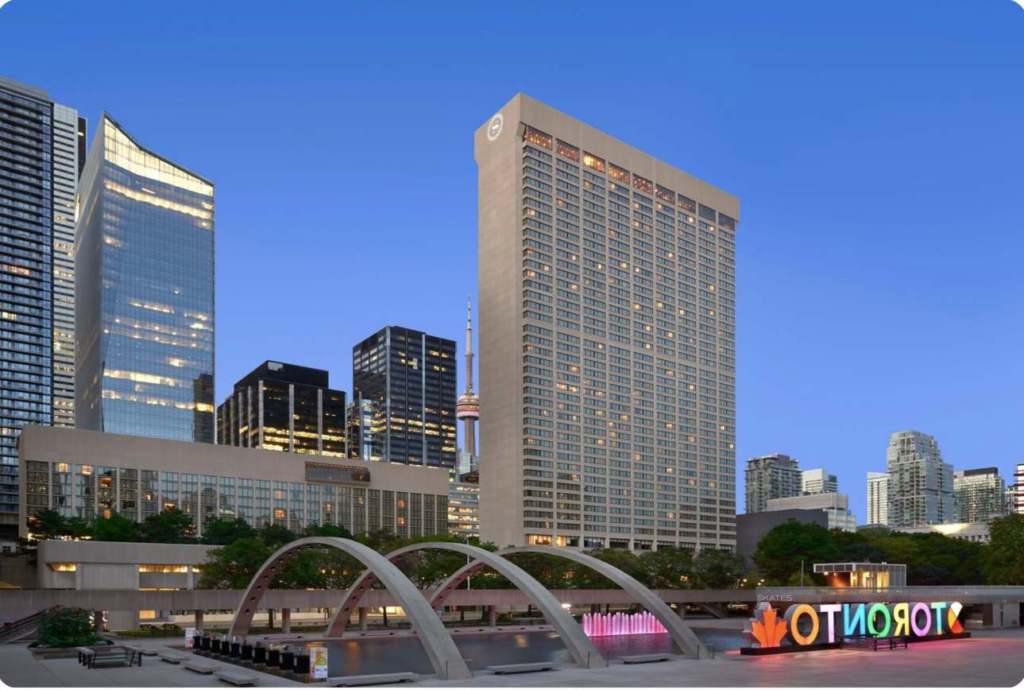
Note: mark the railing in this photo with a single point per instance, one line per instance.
(961, 593)
(13, 631)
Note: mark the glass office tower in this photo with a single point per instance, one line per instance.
(403, 407)
(39, 165)
(145, 293)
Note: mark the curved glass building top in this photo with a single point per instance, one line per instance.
(145, 293)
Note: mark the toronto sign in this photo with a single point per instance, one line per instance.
(824, 626)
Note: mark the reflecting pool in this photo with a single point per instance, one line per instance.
(392, 654)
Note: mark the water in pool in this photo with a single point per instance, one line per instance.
(387, 655)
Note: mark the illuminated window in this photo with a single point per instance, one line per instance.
(592, 161)
(279, 513)
(537, 137)
(63, 567)
(686, 203)
(643, 185)
(62, 467)
(568, 151)
(665, 194)
(162, 568)
(617, 173)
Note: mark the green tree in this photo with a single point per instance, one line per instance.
(115, 528)
(171, 526)
(225, 532)
(66, 627)
(276, 536)
(327, 530)
(714, 569)
(667, 568)
(1004, 557)
(780, 551)
(234, 565)
(48, 524)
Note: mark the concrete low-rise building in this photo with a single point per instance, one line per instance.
(835, 506)
(971, 531)
(99, 565)
(87, 474)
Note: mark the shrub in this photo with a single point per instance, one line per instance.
(165, 630)
(66, 627)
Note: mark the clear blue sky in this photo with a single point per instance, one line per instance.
(877, 147)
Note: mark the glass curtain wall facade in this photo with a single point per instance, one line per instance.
(145, 293)
(607, 322)
(284, 407)
(39, 168)
(404, 398)
(87, 491)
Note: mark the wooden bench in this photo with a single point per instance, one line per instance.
(85, 655)
(645, 658)
(889, 643)
(197, 666)
(239, 678)
(535, 667)
(373, 679)
(172, 658)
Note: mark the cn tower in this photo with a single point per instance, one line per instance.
(467, 410)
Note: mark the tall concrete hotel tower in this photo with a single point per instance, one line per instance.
(607, 331)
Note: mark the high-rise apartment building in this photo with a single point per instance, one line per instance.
(771, 476)
(403, 390)
(980, 494)
(145, 293)
(818, 481)
(284, 407)
(1015, 493)
(878, 498)
(607, 336)
(40, 159)
(920, 483)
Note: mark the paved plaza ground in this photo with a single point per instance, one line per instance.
(993, 658)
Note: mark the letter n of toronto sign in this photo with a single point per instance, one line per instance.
(809, 626)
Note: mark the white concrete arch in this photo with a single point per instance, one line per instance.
(444, 656)
(576, 641)
(682, 635)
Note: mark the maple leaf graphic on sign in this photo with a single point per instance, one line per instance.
(770, 630)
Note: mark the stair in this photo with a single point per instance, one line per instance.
(21, 629)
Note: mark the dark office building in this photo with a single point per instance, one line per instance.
(403, 407)
(284, 407)
(39, 169)
(751, 527)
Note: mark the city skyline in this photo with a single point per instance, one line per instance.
(914, 402)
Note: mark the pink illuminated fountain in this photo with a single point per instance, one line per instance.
(601, 624)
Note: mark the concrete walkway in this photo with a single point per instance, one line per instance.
(990, 659)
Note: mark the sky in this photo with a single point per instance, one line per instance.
(876, 147)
